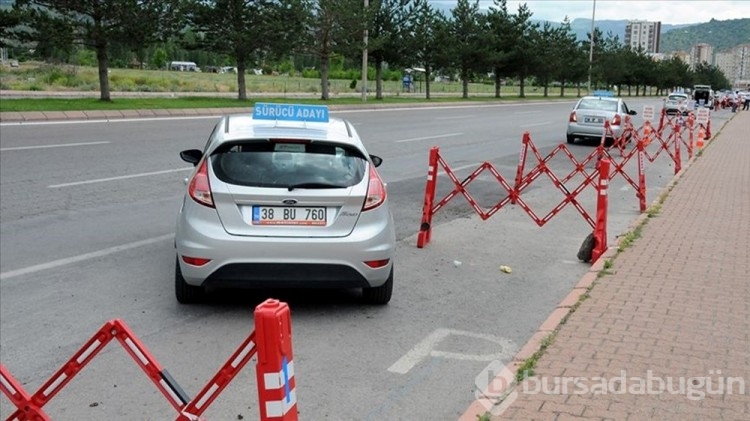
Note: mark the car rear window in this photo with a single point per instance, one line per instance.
(597, 104)
(273, 163)
(677, 97)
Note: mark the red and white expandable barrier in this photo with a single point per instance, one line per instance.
(271, 340)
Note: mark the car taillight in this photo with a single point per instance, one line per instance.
(573, 117)
(375, 191)
(616, 120)
(195, 261)
(199, 188)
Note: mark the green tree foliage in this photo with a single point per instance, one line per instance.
(427, 31)
(159, 58)
(333, 26)
(501, 39)
(468, 49)
(250, 31)
(522, 52)
(722, 35)
(99, 25)
(385, 36)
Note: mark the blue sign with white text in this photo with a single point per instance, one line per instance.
(290, 112)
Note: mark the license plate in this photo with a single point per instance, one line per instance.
(594, 120)
(288, 215)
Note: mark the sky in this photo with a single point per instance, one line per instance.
(666, 11)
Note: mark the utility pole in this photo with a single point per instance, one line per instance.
(364, 57)
(591, 47)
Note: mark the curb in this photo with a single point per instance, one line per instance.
(500, 386)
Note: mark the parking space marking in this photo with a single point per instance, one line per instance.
(426, 348)
(121, 177)
(62, 145)
(414, 139)
(81, 257)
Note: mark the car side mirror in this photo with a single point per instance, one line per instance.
(633, 112)
(376, 160)
(192, 156)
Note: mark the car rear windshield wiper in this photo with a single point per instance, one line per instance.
(315, 186)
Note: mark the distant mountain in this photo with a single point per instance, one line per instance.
(720, 34)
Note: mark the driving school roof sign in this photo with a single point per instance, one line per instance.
(290, 112)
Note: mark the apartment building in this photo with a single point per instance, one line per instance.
(735, 64)
(701, 53)
(644, 35)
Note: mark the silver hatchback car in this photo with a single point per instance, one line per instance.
(287, 197)
(587, 118)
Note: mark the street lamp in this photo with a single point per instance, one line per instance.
(591, 47)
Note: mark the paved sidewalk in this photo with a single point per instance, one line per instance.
(676, 308)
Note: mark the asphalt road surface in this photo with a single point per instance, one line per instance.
(87, 215)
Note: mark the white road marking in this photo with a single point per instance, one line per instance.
(107, 120)
(537, 124)
(62, 145)
(426, 348)
(81, 257)
(462, 167)
(428, 137)
(122, 177)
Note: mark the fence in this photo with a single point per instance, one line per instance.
(271, 341)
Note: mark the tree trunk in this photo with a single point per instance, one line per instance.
(498, 83)
(241, 86)
(546, 87)
(103, 62)
(324, 64)
(465, 83)
(522, 85)
(562, 88)
(378, 78)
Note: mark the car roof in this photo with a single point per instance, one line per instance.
(258, 126)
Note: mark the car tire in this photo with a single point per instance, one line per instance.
(379, 295)
(185, 293)
(571, 139)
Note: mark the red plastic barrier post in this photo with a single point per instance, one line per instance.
(275, 368)
(600, 230)
(425, 228)
(677, 141)
(641, 174)
(521, 167)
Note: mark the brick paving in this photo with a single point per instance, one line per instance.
(676, 308)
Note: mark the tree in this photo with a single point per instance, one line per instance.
(97, 25)
(426, 29)
(574, 60)
(385, 42)
(501, 40)
(248, 30)
(546, 44)
(331, 26)
(468, 49)
(522, 54)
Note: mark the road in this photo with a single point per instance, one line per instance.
(87, 213)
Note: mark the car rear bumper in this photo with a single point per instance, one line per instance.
(592, 131)
(261, 262)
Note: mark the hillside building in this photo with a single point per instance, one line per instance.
(701, 53)
(643, 35)
(735, 64)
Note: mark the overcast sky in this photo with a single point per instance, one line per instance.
(666, 11)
